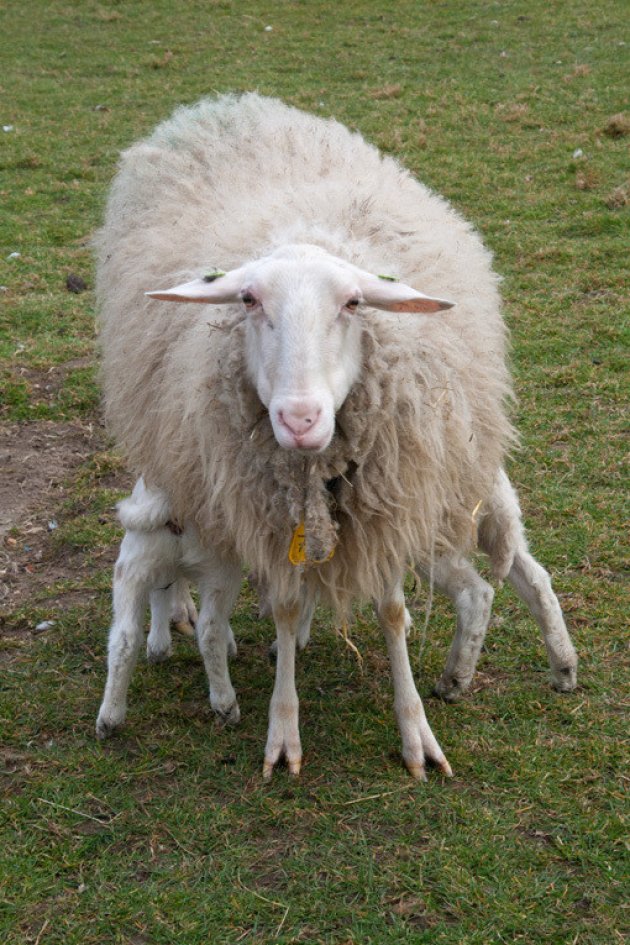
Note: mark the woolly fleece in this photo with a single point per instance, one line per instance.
(421, 437)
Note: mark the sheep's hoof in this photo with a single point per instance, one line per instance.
(267, 770)
(450, 688)
(294, 765)
(444, 767)
(565, 679)
(283, 740)
(416, 771)
(185, 627)
(158, 656)
(230, 715)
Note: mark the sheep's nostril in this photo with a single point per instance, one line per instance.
(298, 421)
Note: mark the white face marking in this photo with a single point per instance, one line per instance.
(303, 346)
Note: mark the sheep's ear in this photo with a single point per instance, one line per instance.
(387, 293)
(215, 288)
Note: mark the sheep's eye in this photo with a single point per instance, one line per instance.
(248, 300)
(352, 304)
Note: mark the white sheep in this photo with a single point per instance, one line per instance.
(324, 424)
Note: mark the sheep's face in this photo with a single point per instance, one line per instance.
(303, 346)
(303, 337)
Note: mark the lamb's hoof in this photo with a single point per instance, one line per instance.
(185, 627)
(106, 727)
(231, 715)
(565, 679)
(158, 656)
(450, 688)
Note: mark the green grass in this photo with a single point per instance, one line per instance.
(166, 833)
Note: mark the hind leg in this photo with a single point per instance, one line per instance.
(502, 537)
(218, 588)
(159, 640)
(183, 613)
(533, 585)
(472, 596)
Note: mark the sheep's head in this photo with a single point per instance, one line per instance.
(303, 331)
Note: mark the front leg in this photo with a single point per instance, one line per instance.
(283, 738)
(132, 580)
(308, 603)
(418, 741)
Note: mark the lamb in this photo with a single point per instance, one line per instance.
(155, 563)
(327, 423)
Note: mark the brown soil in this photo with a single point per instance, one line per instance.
(37, 461)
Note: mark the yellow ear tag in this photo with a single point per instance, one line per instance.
(297, 548)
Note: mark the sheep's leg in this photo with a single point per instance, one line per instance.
(283, 737)
(418, 741)
(218, 589)
(307, 609)
(533, 585)
(183, 611)
(130, 598)
(472, 597)
(159, 641)
(502, 537)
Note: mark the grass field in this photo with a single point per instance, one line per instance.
(166, 834)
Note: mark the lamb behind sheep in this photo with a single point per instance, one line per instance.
(322, 425)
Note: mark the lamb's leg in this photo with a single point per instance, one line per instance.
(283, 737)
(218, 589)
(130, 598)
(159, 640)
(502, 537)
(170, 605)
(472, 597)
(418, 741)
(183, 611)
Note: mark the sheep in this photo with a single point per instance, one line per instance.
(326, 423)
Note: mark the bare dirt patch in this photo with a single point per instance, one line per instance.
(37, 460)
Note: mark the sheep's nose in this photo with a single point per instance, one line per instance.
(299, 419)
